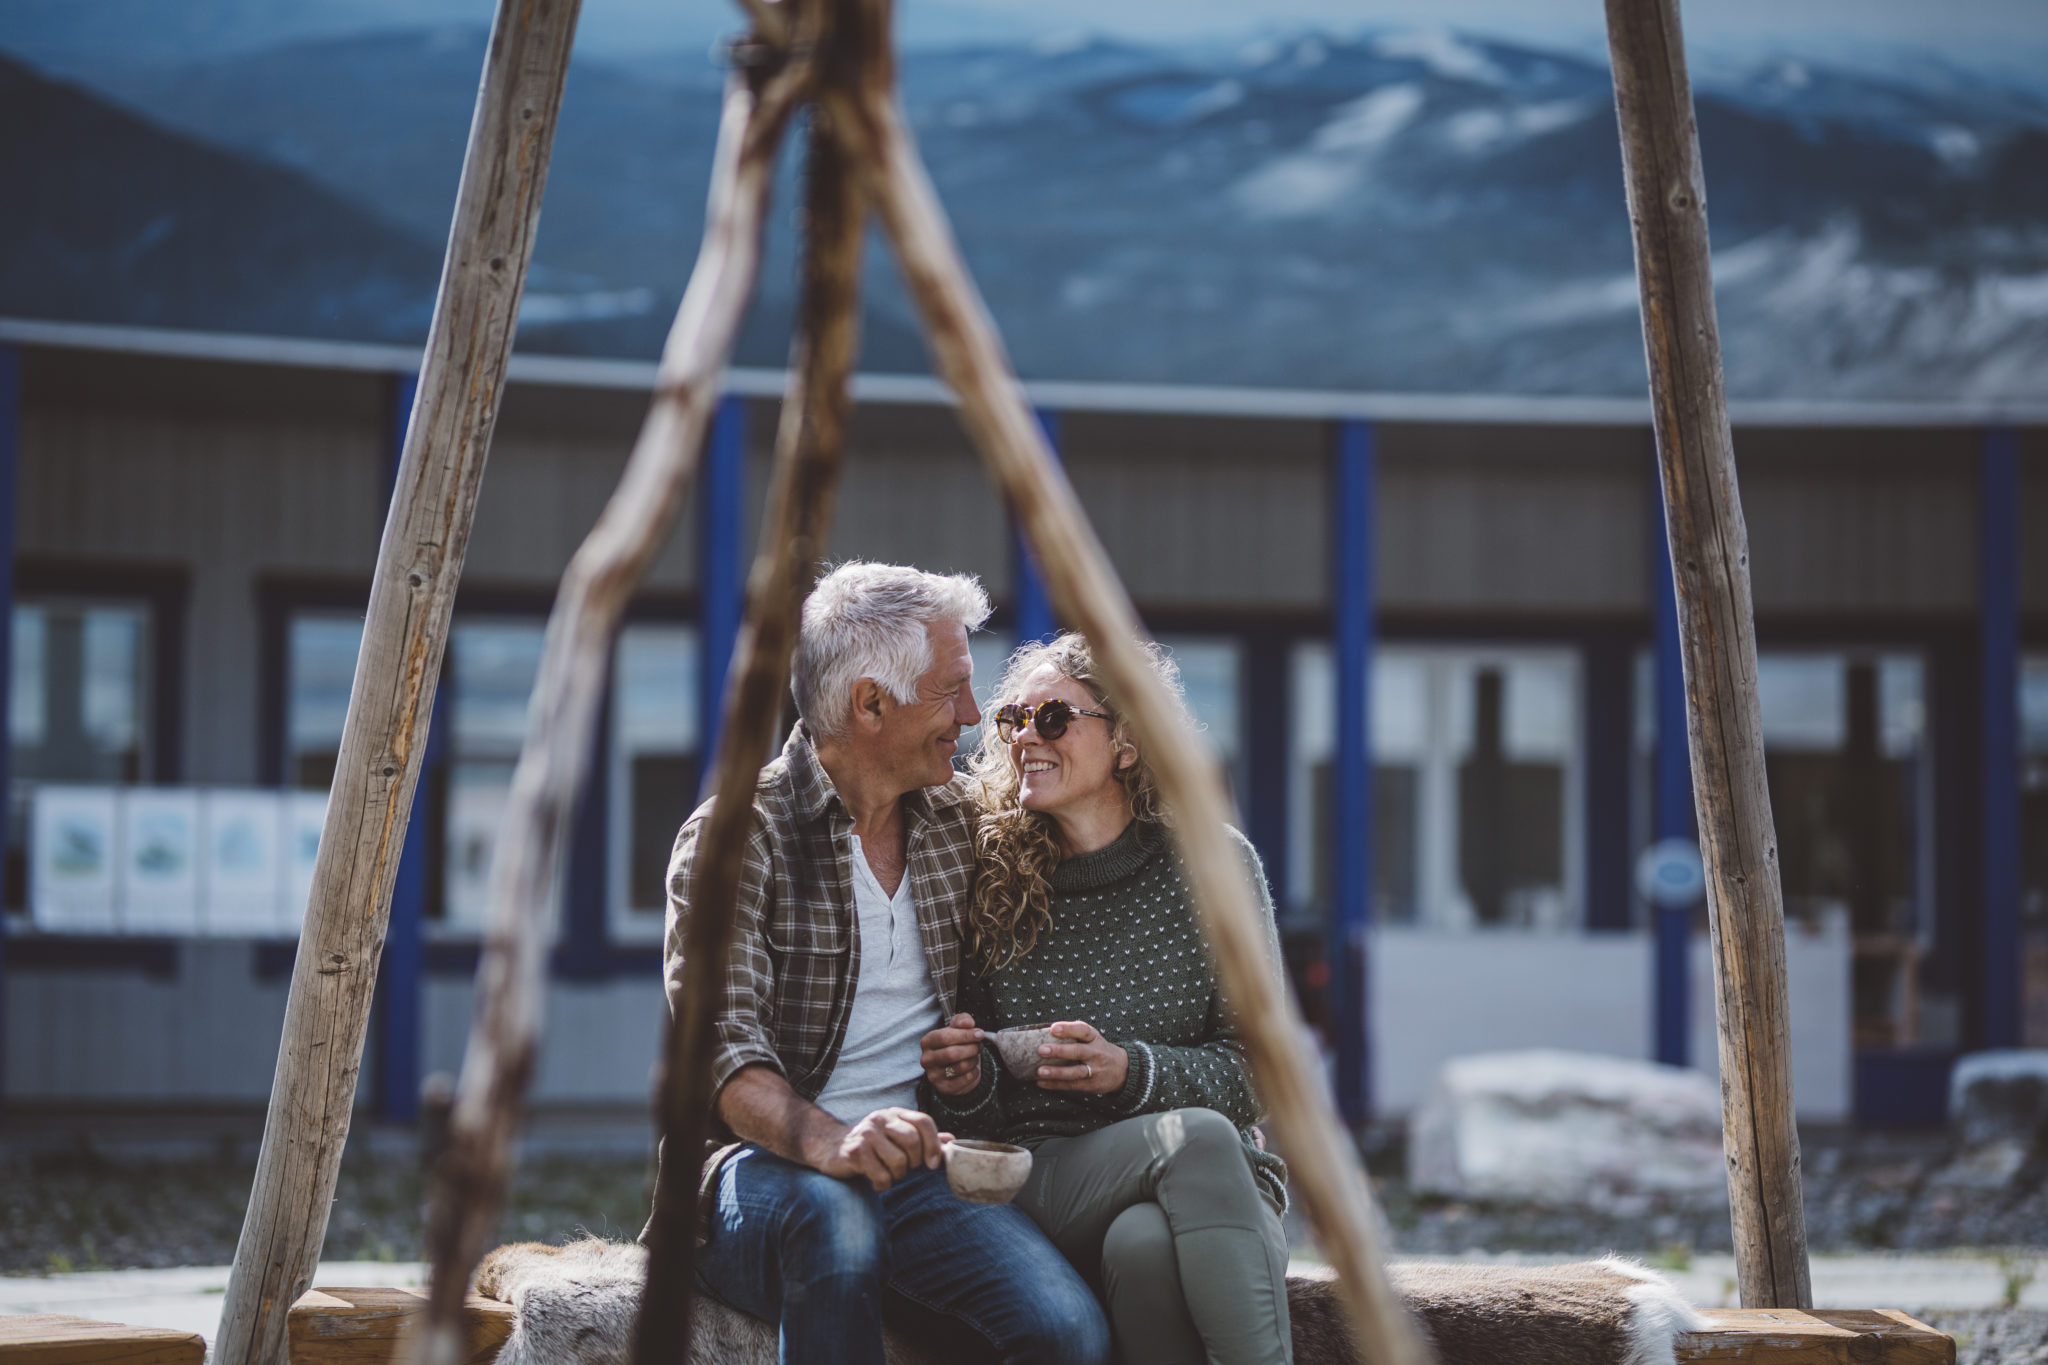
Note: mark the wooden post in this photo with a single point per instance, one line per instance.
(809, 442)
(490, 242)
(1710, 566)
(1086, 592)
(568, 693)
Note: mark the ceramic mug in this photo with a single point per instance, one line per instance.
(984, 1172)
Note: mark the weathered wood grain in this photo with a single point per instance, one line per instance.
(1840, 1336)
(365, 1326)
(56, 1339)
(1085, 589)
(1717, 628)
(568, 695)
(810, 444)
(412, 593)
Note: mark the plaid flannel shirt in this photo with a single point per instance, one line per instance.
(795, 955)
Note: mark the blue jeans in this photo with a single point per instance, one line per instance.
(815, 1255)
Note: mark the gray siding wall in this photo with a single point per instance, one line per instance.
(1494, 519)
(209, 1033)
(913, 492)
(230, 501)
(1861, 521)
(1206, 512)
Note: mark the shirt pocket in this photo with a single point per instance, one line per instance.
(800, 936)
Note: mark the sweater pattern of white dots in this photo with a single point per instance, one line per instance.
(1122, 952)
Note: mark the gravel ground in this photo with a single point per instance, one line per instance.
(2014, 1336)
(1865, 1191)
(78, 1210)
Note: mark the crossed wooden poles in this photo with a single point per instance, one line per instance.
(834, 57)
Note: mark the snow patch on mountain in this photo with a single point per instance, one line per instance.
(1444, 53)
(1476, 131)
(1335, 162)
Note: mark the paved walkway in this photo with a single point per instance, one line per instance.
(189, 1299)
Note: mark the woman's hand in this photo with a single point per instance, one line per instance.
(1081, 1060)
(952, 1056)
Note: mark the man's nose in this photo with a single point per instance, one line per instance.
(967, 711)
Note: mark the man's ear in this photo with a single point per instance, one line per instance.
(867, 702)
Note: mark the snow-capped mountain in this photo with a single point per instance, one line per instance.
(1398, 210)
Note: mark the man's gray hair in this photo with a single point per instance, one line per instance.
(869, 621)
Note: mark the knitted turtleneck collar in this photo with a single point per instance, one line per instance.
(1122, 857)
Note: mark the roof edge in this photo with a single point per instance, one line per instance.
(1062, 395)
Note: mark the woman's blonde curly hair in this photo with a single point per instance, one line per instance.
(1017, 848)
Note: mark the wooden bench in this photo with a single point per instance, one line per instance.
(362, 1327)
(56, 1339)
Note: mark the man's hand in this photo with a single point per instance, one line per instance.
(884, 1147)
(952, 1056)
(1079, 1059)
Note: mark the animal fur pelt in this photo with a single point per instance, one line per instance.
(576, 1306)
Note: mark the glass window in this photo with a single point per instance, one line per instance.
(2034, 842)
(1476, 782)
(1846, 756)
(79, 706)
(656, 764)
(1211, 675)
(320, 667)
(492, 666)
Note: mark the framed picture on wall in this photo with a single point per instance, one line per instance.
(72, 861)
(242, 864)
(305, 812)
(157, 887)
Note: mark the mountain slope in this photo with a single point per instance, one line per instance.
(1420, 211)
(114, 220)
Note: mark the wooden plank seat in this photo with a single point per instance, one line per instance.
(362, 1327)
(57, 1339)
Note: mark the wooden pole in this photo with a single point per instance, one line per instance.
(1710, 566)
(490, 242)
(1086, 591)
(568, 694)
(809, 443)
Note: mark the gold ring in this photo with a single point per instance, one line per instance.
(951, 1072)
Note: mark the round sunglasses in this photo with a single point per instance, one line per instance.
(1050, 719)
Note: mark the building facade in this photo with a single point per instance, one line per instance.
(1453, 848)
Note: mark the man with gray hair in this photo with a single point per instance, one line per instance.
(846, 952)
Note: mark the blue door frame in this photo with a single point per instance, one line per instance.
(721, 564)
(1035, 619)
(401, 978)
(1999, 603)
(10, 427)
(1352, 600)
(1672, 815)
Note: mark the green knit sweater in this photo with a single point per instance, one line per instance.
(1124, 953)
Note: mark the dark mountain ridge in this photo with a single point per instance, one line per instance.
(1420, 211)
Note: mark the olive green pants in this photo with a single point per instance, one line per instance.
(1162, 1215)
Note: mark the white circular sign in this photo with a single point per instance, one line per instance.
(1670, 876)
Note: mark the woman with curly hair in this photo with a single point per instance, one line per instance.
(1148, 1172)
